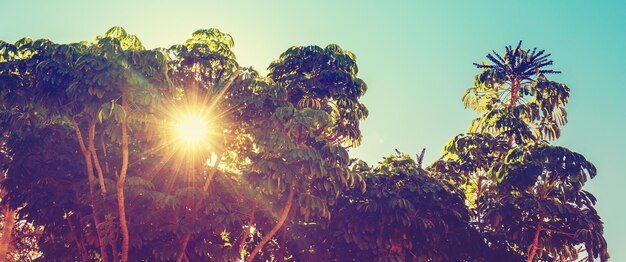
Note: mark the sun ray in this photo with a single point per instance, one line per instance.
(189, 126)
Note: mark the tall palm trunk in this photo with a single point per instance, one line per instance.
(91, 179)
(535, 244)
(515, 87)
(121, 181)
(279, 224)
(7, 231)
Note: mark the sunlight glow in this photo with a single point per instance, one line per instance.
(192, 130)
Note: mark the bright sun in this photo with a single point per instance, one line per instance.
(192, 130)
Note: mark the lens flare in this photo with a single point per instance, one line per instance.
(192, 130)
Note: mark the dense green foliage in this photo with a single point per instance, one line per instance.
(90, 163)
(521, 188)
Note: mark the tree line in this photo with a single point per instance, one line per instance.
(92, 172)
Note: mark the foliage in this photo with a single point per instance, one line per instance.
(275, 182)
(326, 78)
(516, 99)
(422, 217)
(525, 192)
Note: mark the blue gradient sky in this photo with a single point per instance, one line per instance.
(416, 57)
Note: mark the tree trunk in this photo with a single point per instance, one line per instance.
(121, 181)
(96, 162)
(247, 233)
(91, 178)
(78, 240)
(7, 231)
(535, 244)
(279, 224)
(515, 87)
(205, 188)
(107, 170)
(183, 247)
(282, 241)
(209, 178)
(114, 250)
(479, 189)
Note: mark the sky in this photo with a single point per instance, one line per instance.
(415, 56)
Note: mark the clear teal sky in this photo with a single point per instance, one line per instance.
(416, 57)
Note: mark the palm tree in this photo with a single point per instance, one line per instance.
(535, 195)
(515, 97)
(518, 67)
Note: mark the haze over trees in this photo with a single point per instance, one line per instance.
(114, 152)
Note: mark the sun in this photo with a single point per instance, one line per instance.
(192, 130)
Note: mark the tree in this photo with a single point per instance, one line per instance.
(300, 150)
(514, 175)
(402, 213)
(324, 78)
(501, 92)
(34, 74)
(204, 68)
(71, 81)
(43, 173)
(274, 181)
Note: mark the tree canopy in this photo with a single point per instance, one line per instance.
(97, 165)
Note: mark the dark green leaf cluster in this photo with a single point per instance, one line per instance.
(328, 75)
(520, 63)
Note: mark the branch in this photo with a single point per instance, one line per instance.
(96, 162)
(279, 224)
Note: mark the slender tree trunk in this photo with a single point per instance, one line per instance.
(91, 178)
(205, 188)
(7, 231)
(94, 155)
(183, 247)
(479, 188)
(121, 181)
(247, 233)
(107, 170)
(279, 224)
(78, 240)
(96, 162)
(515, 87)
(535, 244)
(282, 241)
(209, 178)
(116, 252)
